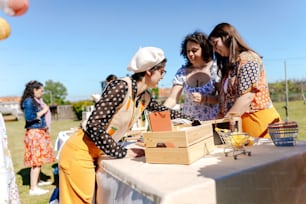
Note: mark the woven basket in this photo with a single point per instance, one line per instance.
(283, 133)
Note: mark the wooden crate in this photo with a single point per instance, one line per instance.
(183, 146)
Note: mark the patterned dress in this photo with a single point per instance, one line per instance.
(198, 111)
(38, 148)
(38, 145)
(249, 76)
(106, 127)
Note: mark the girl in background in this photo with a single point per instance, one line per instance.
(38, 146)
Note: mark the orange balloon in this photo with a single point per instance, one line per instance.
(18, 6)
(5, 29)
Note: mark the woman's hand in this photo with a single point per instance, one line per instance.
(135, 152)
(197, 97)
(242, 104)
(45, 109)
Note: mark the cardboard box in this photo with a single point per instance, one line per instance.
(182, 146)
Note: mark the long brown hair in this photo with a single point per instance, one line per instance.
(233, 41)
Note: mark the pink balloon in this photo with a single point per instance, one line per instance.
(18, 6)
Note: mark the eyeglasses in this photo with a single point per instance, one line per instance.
(160, 69)
(162, 72)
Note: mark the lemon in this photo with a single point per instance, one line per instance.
(239, 139)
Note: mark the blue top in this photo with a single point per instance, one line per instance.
(198, 111)
(30, 115)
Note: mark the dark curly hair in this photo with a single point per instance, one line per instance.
(29, 91)
(111, 77)
(201, 39)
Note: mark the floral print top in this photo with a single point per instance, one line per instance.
(198, 111)
(248, 76)
(116, 97)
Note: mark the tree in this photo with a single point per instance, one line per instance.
(278, 89)
(154, 92)
(55, 93)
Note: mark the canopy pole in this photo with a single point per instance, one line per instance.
(286, 107)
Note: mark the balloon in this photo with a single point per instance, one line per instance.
(5, 29)
(14, 7)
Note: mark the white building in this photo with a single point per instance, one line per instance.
(10, 106)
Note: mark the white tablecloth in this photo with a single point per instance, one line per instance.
(62, 137)
(271, 175)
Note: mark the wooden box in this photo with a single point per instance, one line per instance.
(182, 146)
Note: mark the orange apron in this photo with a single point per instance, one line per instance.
(77, 172)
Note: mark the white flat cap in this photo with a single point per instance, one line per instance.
(145, 59)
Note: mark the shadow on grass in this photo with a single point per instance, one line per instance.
(25, 175)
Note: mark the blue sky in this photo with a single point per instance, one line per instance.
(79, 43)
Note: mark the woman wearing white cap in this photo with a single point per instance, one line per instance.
(119, 107)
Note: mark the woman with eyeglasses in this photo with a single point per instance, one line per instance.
(121, 104)
(244, 86)
(197, 80)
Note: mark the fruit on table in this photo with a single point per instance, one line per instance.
(239, 139)
(250, 141)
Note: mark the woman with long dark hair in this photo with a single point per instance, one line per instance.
(244, 87)
(38, 146)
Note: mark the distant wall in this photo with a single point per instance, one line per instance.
(63, 112)
(87, 112)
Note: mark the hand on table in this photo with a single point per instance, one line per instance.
(135, 152)
(197, 97)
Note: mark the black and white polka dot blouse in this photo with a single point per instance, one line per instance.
(105, 109)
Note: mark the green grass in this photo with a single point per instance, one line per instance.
(16, 131)
(296, 112)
